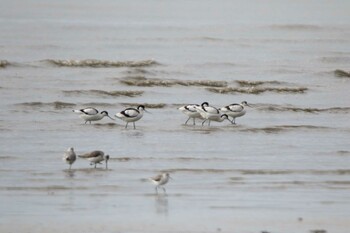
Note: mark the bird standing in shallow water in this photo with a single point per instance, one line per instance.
(160, 180)
(131, 115)
(210, 113)
(95, 157)
(91, 114)
(217, 118)
(191, 112)
(235, 110)
(69, 157)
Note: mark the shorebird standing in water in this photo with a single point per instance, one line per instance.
(160, 180)
(95, 157)
(69, 157)
(91, 114)
(235, 110)
(191, 112)
(210, 113)
(216, 117)
(131, 115)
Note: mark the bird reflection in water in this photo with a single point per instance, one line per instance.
(162, 204)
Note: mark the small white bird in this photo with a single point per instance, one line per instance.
(69, 156)
(91, 114)
(235, 110)
(191, 112)
(131, 115)
(160, 180)
(95, 157)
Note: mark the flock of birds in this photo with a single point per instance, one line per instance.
(97, 157)
(204, 112)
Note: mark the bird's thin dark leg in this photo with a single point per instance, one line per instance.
(187, 120)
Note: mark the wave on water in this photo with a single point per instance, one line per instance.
(100, 63)
(127, 159)
(282, 128)
(342, 74)
(258, 90)
(146, 82)
(279, 108)
(147, 105)
(247, 83)
(43, 188)
(4, 63)
(55, 105)
(335, 60)
(104, 93)
(296, 27)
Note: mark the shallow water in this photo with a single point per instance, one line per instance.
(283, 168)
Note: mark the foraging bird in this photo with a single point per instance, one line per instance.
(91, 114)
(209, 113)
(69, 156)
(216, 117)
(191, 112)
(160, 180)
(235, 110)
(131, 115)
(95, 157)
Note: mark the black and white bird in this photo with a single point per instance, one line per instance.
(131, 115)
(191, 111)
(160, 180)
(209, 113)
(69, 156)
(91, 114)
(216, 117)
(235, 110)
(95, 157)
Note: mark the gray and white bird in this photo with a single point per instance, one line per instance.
(131, 115)
(235, 110)
(95, 157)
(191, 111)
(91, 114)
(69, 157)
(160, 180)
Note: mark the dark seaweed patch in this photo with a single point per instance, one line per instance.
(342, 74)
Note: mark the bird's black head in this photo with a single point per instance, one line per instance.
(225, 116)
(205, 104)
(104, 113)
(141, 107)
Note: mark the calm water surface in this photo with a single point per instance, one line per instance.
(283, 168)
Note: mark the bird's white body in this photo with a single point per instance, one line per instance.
(209, 113)
(191, 111)
(235, 110)
(131, 115)
(95, 157)
(160, 180)
(69, 156)
(91, 114)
